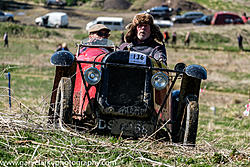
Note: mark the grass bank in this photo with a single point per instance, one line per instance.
(26, 138)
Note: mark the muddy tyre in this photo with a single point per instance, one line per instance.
(10, 19)
(188, 131)
(63, 104)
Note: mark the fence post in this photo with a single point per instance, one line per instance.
(9, 90)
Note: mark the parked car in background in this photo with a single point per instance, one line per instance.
(53, 19)
(163, 23)
(187, 17)
(205, 20)
(59, 3)
(6, 16)
(113, 23)
(221, 18)
(161, 12)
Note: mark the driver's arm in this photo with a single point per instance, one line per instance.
(160, 54)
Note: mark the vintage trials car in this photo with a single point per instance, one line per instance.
(125, 93)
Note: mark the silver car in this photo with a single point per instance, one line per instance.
(6, 16)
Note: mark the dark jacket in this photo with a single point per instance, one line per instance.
(149, 47)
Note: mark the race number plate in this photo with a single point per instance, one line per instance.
(132, 128)
(137, 58)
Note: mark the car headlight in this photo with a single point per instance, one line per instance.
(92, 75)
(159, 80)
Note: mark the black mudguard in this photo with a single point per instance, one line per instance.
(65, 67)
(196, 71)
(190, 85)
(62, 58)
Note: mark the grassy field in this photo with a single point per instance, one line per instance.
(26, 139)
(238, 6)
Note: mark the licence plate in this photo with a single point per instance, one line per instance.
(131, 128)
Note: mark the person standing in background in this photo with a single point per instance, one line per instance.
(240, 40)
(187, 39)
(166, 36)
(174, 38)
(5, 39)
(122, 38)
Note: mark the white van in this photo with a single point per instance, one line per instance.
(54, 19)
(113, 23)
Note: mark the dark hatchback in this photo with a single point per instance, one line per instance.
(59, 3)
(187, 17)
(161, 12)
(205, 20)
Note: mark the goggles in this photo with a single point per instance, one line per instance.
(103, 34)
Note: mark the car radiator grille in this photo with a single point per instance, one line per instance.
(125, 86)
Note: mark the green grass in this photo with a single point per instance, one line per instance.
(28, 81)
(206, 38)
(226, 126)
(224, 87)
(16, 49)
(80, 36)
(236, 75)
(209, 40)
(224, 5)
(27, 43)
(26, 31)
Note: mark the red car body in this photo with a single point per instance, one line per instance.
(222, 18)
(80, 100)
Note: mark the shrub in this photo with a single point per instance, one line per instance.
(26, 31)
(209, 38)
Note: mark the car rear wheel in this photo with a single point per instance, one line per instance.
(10, 19)
(48, 5)
(188, 131)
(63, 104)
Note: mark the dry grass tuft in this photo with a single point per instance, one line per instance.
(22, 128)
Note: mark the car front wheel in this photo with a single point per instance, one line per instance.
(63, 104)
(10, 19)
(188, 131)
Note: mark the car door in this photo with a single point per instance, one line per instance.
(194, 16)
(198, 16)
(189, 18)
